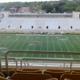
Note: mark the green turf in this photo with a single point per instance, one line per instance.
(54, 43)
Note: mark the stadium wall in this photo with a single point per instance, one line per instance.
(40, 25)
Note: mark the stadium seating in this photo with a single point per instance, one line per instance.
(36, 74)
(25, 69)
(70, 76)
(56, 70)
(2, 78)
(1, 74)
(30, 76)
(11, 72)
(52, 79)
(54, 74)
(53, 24)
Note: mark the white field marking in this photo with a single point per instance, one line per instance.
(28, 45)
(47, 43)
(66, 46)
(3, 40)
(79, 40)
(47, 46)
(63, 55)
(20, 48)
(15, 47)
(60, 46)
(75, 41)
(23, 44)
(34, 49)
(63, 39)
(74, 49)
(79, 56)
(37, 37)
(41, 46)
(36, 41)
(73, 46)
(53, 45)
(71, 56)
(8, 36)
(77, 44)
(62, 51)
(11, 44)
(35, 45)
(16, 44)
(8, 41)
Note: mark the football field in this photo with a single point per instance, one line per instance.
(40, 42)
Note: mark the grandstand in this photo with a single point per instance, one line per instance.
(40, 25)
(40, 48)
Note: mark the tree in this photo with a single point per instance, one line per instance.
(78, 8)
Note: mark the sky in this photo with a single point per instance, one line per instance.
(1, 1)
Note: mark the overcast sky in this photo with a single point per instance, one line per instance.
(23, 0)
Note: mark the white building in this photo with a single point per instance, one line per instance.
(42, 23)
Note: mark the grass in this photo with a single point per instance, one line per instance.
(54, 43)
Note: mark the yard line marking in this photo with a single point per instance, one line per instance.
(8, 41)
(22, 45)
(71, 56)
(31, 39)
(59, 45)
(73, 46)
(66, 46)
(12, 44)
(34, 47)
(79, 56)
(2, 40)
(16, 46)
(53, 43)
(53, 46)
(41, 46)
(47, 47)
(76, 44)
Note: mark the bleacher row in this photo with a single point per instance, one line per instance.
(38, 74)
(44, 24)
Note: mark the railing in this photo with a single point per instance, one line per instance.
(8, 59)
(71, 60)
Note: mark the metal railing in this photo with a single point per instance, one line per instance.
(44, 59)
(8, 59)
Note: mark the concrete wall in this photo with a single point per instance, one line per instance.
(76, 14)
(41, 24)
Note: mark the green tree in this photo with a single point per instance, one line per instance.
(78, 8)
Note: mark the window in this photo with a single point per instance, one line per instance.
(32, 27)
(20, 26)
(71, 27)
(47, 27)
(58, 27)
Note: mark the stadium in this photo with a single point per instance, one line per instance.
(43, 45)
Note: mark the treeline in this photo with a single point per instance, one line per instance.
(48, 6)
